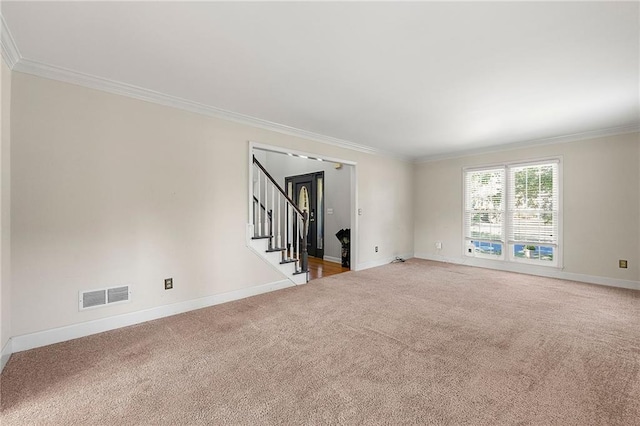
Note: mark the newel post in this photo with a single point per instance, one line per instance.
(305, 232)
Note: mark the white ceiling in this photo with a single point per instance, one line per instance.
(415, 79)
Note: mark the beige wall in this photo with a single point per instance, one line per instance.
(601, 187)
(108, 190)
(5, 204)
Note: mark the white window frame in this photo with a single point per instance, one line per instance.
(507, 246)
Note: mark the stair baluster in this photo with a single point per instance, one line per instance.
(279, 224)
(259, 221)
(266, 209)
(273, 204)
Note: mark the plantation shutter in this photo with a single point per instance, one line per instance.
(533, 203)
(484, 204)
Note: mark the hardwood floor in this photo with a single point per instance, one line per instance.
(319, 268)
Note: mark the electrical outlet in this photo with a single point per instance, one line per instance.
(168, 283)
(376, 249)
(622, 263)
(439, 245)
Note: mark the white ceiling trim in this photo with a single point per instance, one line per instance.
(622, 130)
(69, 76)
(10, 52)
(16, 62)
(13, 58)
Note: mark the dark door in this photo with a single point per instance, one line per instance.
(307, 191)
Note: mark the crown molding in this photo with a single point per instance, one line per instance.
(10, 52)
(612, 131)
(16, 62)
(53, 72)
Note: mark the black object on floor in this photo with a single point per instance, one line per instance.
(344, 236)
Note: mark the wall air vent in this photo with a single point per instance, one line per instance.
(103, 297)
(118, 294)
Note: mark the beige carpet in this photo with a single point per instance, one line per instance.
(413, 343)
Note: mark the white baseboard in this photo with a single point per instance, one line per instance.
(61, 334)
(6, 354)
(533, 270)
(332, 259)
(380, 262)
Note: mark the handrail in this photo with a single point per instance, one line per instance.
(273, 181)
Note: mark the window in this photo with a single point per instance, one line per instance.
(512, 212)
(484, 215)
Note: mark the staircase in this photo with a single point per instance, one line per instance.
(278, 228)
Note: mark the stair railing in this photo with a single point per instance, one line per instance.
(278, 218)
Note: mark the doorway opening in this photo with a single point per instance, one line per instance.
(307, 192)
(325, 188)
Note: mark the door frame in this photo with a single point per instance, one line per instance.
(313, 177)
(302, 154)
